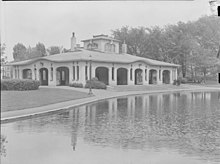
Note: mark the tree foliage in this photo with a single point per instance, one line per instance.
(193, 45)
(2, 52)
(19, 52)
(41, 49)
(54, 50)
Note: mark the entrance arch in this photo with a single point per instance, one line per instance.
(166, 77)
(153, 76)
(102, 74)
(122, 76)
(62, 76)
(138, 76)
(43, 76)
(27, 74)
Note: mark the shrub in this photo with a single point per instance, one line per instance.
(183, 80)
(177, 81)
(76, 85)
(95, 84)
(19, 84)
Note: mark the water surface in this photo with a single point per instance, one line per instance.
(148, 129)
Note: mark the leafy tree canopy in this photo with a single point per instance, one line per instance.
(193, 45)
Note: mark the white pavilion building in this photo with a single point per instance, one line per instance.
(100, 57)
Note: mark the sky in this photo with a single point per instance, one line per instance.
(52, 23)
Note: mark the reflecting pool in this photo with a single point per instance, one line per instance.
(174, 128)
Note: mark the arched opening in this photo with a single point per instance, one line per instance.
(122, 76)
(27, 74)
(152, 76)
(138, 77)
(102, 74)
(62, 76)
(43, 72)
(166, 77)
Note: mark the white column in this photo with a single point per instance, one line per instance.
(114, 81)
(171, 76)
(110, 75)
(158, 80)
(176, 74)
(161, 76)
(93, 71)
(33, 75)
(70, 73)
(143, 76)
(54, 75)
(19, 73)
(130, 82)
(82, 73)
(147, 74)
(115, 75)
(15, 72)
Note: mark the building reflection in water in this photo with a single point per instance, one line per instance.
(187, 122)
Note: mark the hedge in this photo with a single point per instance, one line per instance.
(77, 85)
(95, 84)
(19, 84)
(177, 81)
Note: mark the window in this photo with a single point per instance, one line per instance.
(131, 77)
(92, 46)
(74, 75)
(86, 72)
(159, 74)
(113, 73)
(109, 47)
(77, 69)
(35, 73)
(44, 75)
(63, 75)
(51, 74)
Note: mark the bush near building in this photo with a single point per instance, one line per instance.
(19, 84)
(76, 85)
(95, 84)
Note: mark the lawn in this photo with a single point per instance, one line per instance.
(17, 100)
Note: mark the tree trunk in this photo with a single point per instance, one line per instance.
(184, 70)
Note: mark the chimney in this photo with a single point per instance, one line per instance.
(73, 42)
(124, 48)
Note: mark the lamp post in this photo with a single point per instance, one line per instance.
(90, 75)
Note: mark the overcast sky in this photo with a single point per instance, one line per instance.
(52, 23)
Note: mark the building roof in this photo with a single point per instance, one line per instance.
(101, 37)
(84, 55)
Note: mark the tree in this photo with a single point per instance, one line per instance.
(54, 50)
(135, 39)
(41, 49)
(192, 45)
(19, 52)
(2, 52)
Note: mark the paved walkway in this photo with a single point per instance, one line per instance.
(97, 96)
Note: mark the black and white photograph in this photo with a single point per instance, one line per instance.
(110, 82)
